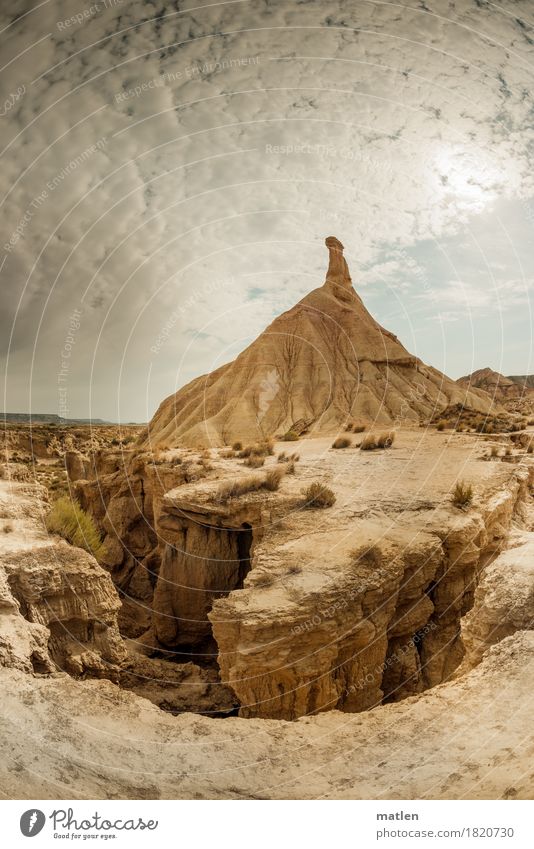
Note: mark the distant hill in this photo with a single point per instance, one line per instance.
(49, 418)
(499, 387)
(526, 380)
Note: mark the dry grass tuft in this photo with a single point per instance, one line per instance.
(274, 477)
(341, 442)
(318, 495)
(371, 556)
(251, 483)
(8, 528)
(386, 440)
(264, 580)
(290, 436)
(369, 443)
(462, 495)
(67, 519)
(237, 446)
(254, 462)
(494, 451)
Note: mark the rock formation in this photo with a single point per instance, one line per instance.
(497, 386)
(324, 361)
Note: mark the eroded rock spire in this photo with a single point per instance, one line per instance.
(338, 270)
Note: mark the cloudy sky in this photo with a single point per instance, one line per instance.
(170, 171)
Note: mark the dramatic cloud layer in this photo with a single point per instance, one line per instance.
(170, 172)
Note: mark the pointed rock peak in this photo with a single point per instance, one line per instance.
(338, 270)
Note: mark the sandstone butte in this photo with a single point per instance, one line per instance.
(325, 361)
(380, 647)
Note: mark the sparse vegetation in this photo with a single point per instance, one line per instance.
(318, 495)
(254, 462)
(440, 426)
(274, 477)
(67, 519)
(228, 453)
(294, 569)
(494, 451)
(8, 528)
(462, 495)
(290, 436)
(260, 449)
(368, 443)
(251, 483)
(237, 446)
(290, 468)
(341, 442)
(264, 580)
(371, 556)
(386, 440)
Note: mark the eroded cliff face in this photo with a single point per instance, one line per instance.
(306, 610)
(58, 606)
(350, 636)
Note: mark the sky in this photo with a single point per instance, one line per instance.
(170, 172)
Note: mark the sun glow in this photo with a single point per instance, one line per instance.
(467, 178)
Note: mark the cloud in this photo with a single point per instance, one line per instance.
(236, 137)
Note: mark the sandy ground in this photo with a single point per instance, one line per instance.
(472, 738)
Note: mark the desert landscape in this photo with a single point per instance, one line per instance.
(325, 543)
(267, 445)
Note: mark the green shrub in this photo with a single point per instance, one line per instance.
(290, 436)
(341, 442)
(318, 495)
(67, 519)
(462, 495)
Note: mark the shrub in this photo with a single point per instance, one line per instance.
(371, 556)
(462, 495)
(290, 436)
(282, 457)
(508, 451)
(252, 483)
(494, 451)
(237, 446)
(318, 495)
(341, 442)
(358, 428)
(386, 440)
(228, 453)
(8, 528)
(240, 486)
(294, 569)
(290, 468)
(67, 519)
(368, 443)
(254, 462)
(265, 580)
(261, 449)
(440, 426)
(273, 478)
